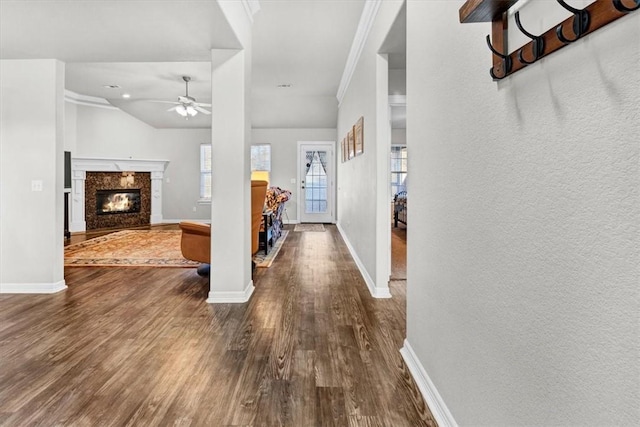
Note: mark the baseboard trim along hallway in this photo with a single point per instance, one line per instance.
(427, 388)
(376, 291)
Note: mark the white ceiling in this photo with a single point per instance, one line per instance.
(305, 44)
(146, 46)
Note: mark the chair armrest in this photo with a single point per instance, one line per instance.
(198, 228)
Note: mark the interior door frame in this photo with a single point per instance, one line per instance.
(332, 177)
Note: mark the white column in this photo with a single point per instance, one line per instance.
(383, 173)
(156, 197)
(230, 275)
(31, 176)
(78, 220)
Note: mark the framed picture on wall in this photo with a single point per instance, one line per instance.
(343, 151)
(358, 130)
(351, 144)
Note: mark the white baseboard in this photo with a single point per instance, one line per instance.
(290, 221)
(375, 291)
(427, 388)
(78, 226)
(221, 297)
(32, 288)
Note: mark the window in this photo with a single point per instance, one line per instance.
(261, 157)
(260, 162)
(205, 171)
(398, 169)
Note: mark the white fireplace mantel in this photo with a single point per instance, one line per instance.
(79, 168)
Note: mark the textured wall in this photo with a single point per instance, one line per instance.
(111, 181)
(523, 248)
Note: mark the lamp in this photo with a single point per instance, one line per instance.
(180, 109)
(260, 176)
(186, 111)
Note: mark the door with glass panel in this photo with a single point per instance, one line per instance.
(316, 166)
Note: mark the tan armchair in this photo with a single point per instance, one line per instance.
(196, 236)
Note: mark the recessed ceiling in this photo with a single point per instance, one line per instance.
(145, 82)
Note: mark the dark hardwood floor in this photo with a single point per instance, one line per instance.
(140, 346)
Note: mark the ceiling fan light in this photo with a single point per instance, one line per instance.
(191, 111)
(180, 109)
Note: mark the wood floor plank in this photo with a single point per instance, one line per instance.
(140, 346)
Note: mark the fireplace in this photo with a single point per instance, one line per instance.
(93, 174)
(110, 202)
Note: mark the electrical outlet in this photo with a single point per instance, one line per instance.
(195, 209)
(36, 185)
(293, 180)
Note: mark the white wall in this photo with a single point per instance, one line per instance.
(358, 179)
(284, 159)
(101, 132)
(523, 253)
(399, 136)
(31, 151)
(397, 82)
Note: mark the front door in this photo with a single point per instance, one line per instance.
(316, 165)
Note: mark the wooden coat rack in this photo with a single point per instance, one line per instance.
(582, 22)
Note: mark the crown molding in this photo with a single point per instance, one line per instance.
(251, 7)
(90, 101)
(364, 27)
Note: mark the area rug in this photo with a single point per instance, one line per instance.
(129, 248)
(263, 260)
(309, 227)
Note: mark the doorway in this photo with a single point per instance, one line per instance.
(316, 170)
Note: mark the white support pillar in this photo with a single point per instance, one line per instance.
(31, 176)
(156, 196)
(383, 196)
(230, 274)
(78, 219)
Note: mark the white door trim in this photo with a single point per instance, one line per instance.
(332, 177)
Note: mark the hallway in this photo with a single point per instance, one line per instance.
(140, 346)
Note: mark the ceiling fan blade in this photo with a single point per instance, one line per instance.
(202, 110)
(162, 102)
(200, 104)
(175, 107)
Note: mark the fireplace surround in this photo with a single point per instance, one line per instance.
(148, 177)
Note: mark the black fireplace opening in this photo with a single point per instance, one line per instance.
(110, 202)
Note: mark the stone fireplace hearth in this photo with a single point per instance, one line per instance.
(123, 177)
(109, 204)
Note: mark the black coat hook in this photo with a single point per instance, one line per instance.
(622, 8)
(506, 61)
(581, 21)
(537, 46)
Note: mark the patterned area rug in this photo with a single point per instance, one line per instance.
(309, 227)
(129, 248)
(265, 261)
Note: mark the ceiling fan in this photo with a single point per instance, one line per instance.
(186, 105)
